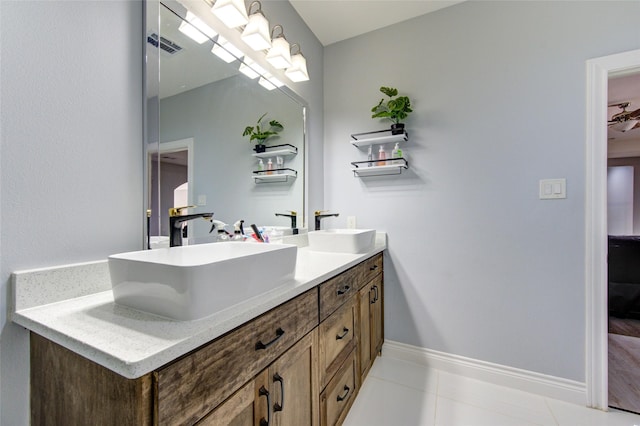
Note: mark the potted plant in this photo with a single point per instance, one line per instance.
(395, 110)
(261, 132)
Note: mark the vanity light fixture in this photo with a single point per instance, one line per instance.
(256, 33)
(231, 12)
(269, 82)
(226, 51)
(251, 69)
(279, 55)
(298, 70)
(195, 29)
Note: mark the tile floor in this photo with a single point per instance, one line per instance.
(399, 393)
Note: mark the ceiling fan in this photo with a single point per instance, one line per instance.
(624, 120)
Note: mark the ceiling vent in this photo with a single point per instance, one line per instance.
(166, 45)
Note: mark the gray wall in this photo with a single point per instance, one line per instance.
(71, 176)
(478, 266)
(635, 162)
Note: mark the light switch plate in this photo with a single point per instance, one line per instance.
(553, 189)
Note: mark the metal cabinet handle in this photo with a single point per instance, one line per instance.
(373, 268)
(263, 392)
(279, 407)
(375, 289)
(343, 397)
(372, 301)
(260, 345)
(343, 290)
(345, 331)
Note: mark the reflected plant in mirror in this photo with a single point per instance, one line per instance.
(195, 117)
(261, 134)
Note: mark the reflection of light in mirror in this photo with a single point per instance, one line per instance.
(231, 12)
(251, 69)
(256, 33)
(195, 29)
(269, 82)
(226, 50)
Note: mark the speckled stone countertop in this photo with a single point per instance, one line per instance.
(74, 307)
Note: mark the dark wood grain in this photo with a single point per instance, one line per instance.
(333, 410)
(68, 389)
(337, 290)
(333, 351)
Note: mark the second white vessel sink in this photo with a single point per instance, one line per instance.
(342, 240)
(192, 282)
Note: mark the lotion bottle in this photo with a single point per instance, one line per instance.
(381, 156)
(370, 156)
(269, 167)
(260, 165)
(396, 153)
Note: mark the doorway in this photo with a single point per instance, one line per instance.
(599, 71)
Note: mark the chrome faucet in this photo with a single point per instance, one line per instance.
(294, 216)
(176, 220)
(320, 215)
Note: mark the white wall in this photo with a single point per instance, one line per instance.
(478, 266)
(71, 176)
(635, 163)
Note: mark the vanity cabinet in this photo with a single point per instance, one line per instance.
(300, 363)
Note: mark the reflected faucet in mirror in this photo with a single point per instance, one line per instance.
(293, 215)
(319, 214)
(176, 220)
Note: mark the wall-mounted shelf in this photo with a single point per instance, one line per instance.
(377, 137)
(273, 176)
(392, 166)
(281, 150)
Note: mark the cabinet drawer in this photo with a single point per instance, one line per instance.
(368, 269)
(195, 384)
(337, 339)
(336, 291)
(339, 394)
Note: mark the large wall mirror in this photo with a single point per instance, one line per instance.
(197, 108)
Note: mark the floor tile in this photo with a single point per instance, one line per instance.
(383, 403)
(507, 401)
(405, 373)
(456, 413)
(567, 414)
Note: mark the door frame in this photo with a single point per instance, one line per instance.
(599, 70)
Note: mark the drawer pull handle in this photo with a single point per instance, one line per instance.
(343, 290)
(264, 392)
(375, 289)
(343, 397)
(372, 301)
(345, 331)
(373, 268)
(279, 407)
(260, 345)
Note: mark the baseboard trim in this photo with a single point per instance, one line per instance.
(524, 380)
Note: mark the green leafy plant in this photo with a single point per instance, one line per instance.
(261, 132)
(396, 109)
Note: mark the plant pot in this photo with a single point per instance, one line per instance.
(397, 128)
(260, 148)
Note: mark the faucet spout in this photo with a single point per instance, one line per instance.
(321, 215)
(175, 224)
(293, 216)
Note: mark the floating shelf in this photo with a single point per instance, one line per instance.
(282, 150)
(378, 137)
(362, 168)
(276, 175)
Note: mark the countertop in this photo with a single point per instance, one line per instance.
(133, 343)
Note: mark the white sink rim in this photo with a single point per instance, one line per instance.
(192, 282)
(353, 241)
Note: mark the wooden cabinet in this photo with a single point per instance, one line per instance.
(300, 363)
(284, 394)
(370, 317)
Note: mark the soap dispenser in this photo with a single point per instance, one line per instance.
(381, 156)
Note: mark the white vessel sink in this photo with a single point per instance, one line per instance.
(192, 282)
(342, 240)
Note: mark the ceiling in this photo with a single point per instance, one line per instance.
(624, 89)
(336, 20)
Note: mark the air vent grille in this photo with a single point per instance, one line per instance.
(166, 45)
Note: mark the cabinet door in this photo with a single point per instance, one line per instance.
(247, 407)
(376, 313)
(294, 384)
(364, 344)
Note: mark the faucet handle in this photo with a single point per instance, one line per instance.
(175, 211)
(319, 212)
